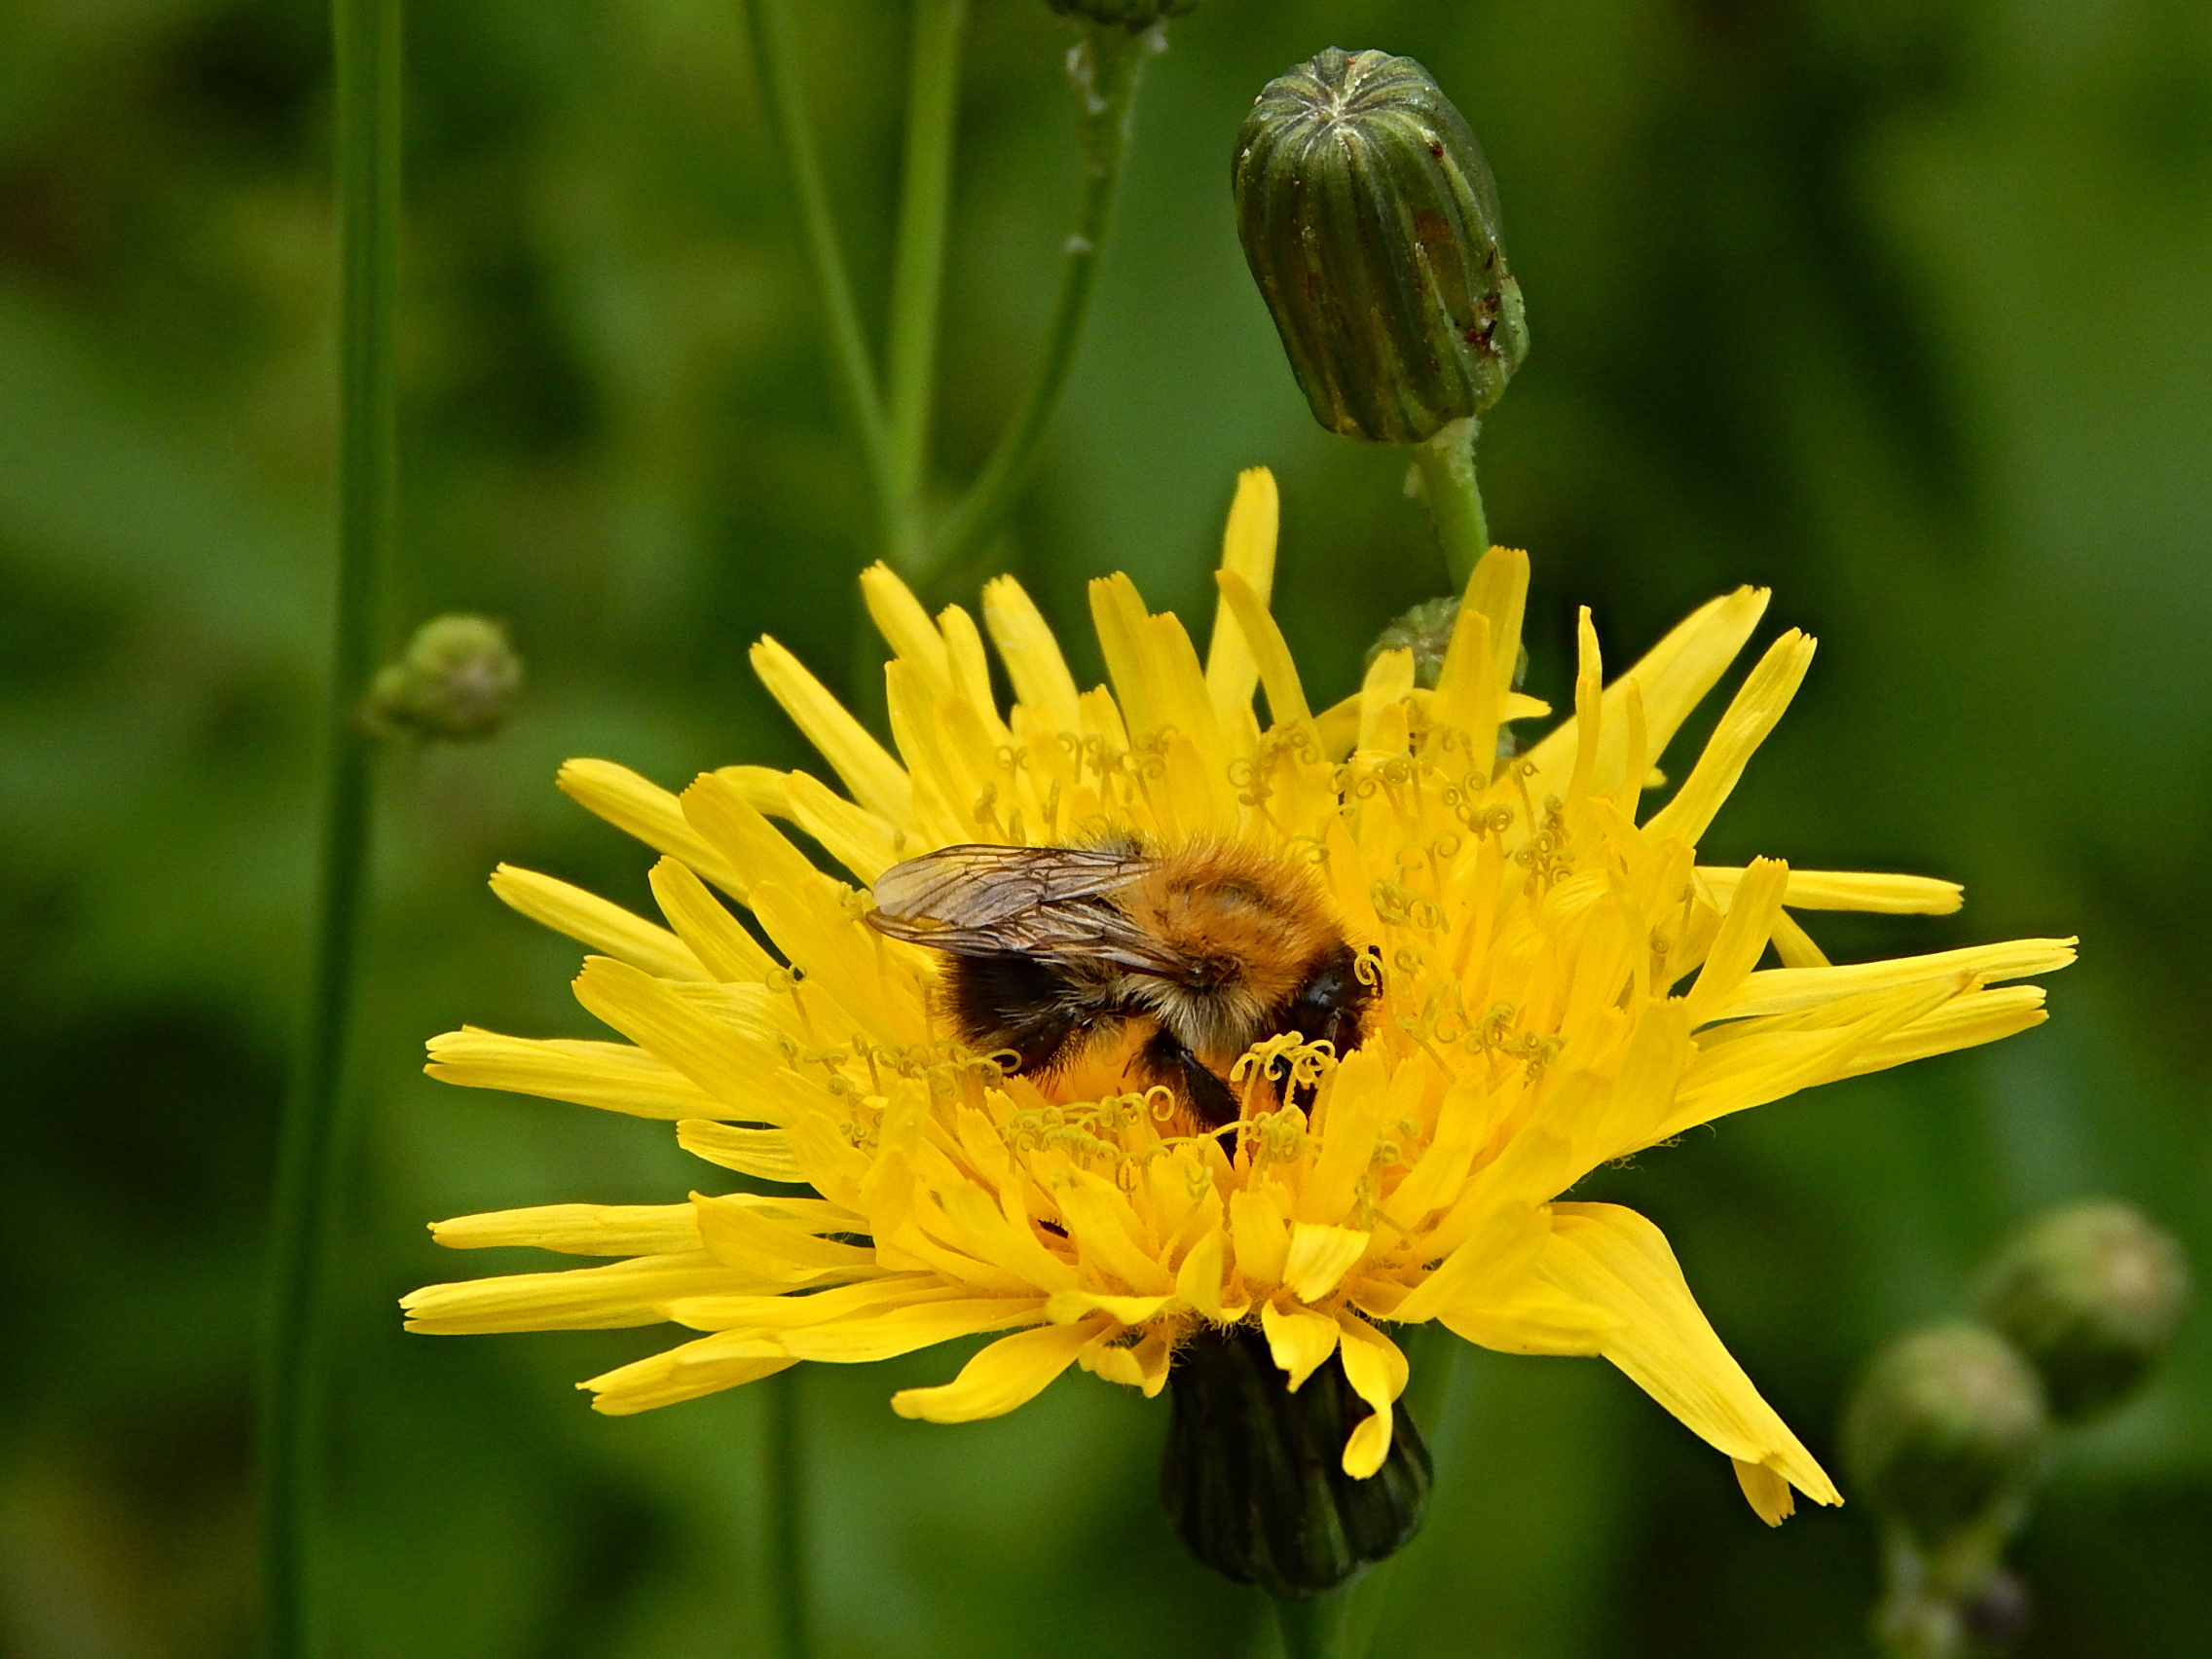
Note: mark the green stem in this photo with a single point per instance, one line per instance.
(917, 266)
(1446, 463)
(776, 50)
(1106, 69)
(368, 56)
(1434, 1353)
(1313, 1627)
(787, 1551)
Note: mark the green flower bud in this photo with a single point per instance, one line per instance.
(1946, 1435)
(459, 679)
(1426, 631)
(2092, 1295)
(1254, 1478)
(1370, 223)
(1130, 15)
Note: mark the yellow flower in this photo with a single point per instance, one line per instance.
(1560, 985)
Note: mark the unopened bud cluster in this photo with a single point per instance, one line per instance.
(1951, 1428)
(459, 679)
(2091, 1295)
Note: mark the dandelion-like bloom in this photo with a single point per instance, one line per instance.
(1556, 982)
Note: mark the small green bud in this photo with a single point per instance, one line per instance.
(1946, 1434)
(1370, 223)
(2092, 1295)
(1130, 15)
(1254, 1476)
(1426, 631)
(458, 680)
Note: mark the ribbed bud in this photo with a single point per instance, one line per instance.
(1254, 1478)
(1946, 1434)
(2092, 1294)
(1370, 223)
(1131, 14)
(459, 679)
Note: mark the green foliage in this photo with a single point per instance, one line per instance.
(1814, 293)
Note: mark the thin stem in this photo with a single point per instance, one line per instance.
(776, 50)
(788, 1552)
(368, 55)
(917, 266)
(1106, 69)
(1435, 1354)
(1446, 463)
(1313, 1627)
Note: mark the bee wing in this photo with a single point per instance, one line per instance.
(983, 901)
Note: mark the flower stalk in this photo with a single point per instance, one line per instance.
(1105, 69)
(1313, 1627)
(787, 1551)
(1446, 465)
(368, 66)
(775, 50)
(891, 417)
(917, 266)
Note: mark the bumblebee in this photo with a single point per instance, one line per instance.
(1188, 956)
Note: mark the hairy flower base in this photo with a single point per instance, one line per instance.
(1560, 985)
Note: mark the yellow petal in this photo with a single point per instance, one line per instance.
(645, 810)
(1780, 990)
(1031, 654)
(698, 1368)
(577, 1230)
(1852, 890)
(877, 781)
(1672, 679)
(633, 1292)
(907, 1330)
(1767, 1492)
(1755, 710)
(765, 1153)
(611, 1076)
(595, 921)
(1278, 668)
(1262, 1239)
(721, 941)
(1300, 1340)
(751, 849)
(1498, 591)
(864, 843)
(1247, 548)
(1382, 695)
(1614, 1258)
(1743, 939)
(1012, 1372)
(1377, 1371)
(906, 627)
(1319, 1257)
(1066, 1307)
(1536, 1319)
(715, 1056)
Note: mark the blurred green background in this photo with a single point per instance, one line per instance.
(1899, 305)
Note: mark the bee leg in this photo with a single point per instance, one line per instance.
(1164, 1059)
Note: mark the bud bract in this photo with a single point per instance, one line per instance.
(2092, 1295)
(458, 680)
(1946, 1434)
(1126, 13)
(1254, 1478)
(1370, 223)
